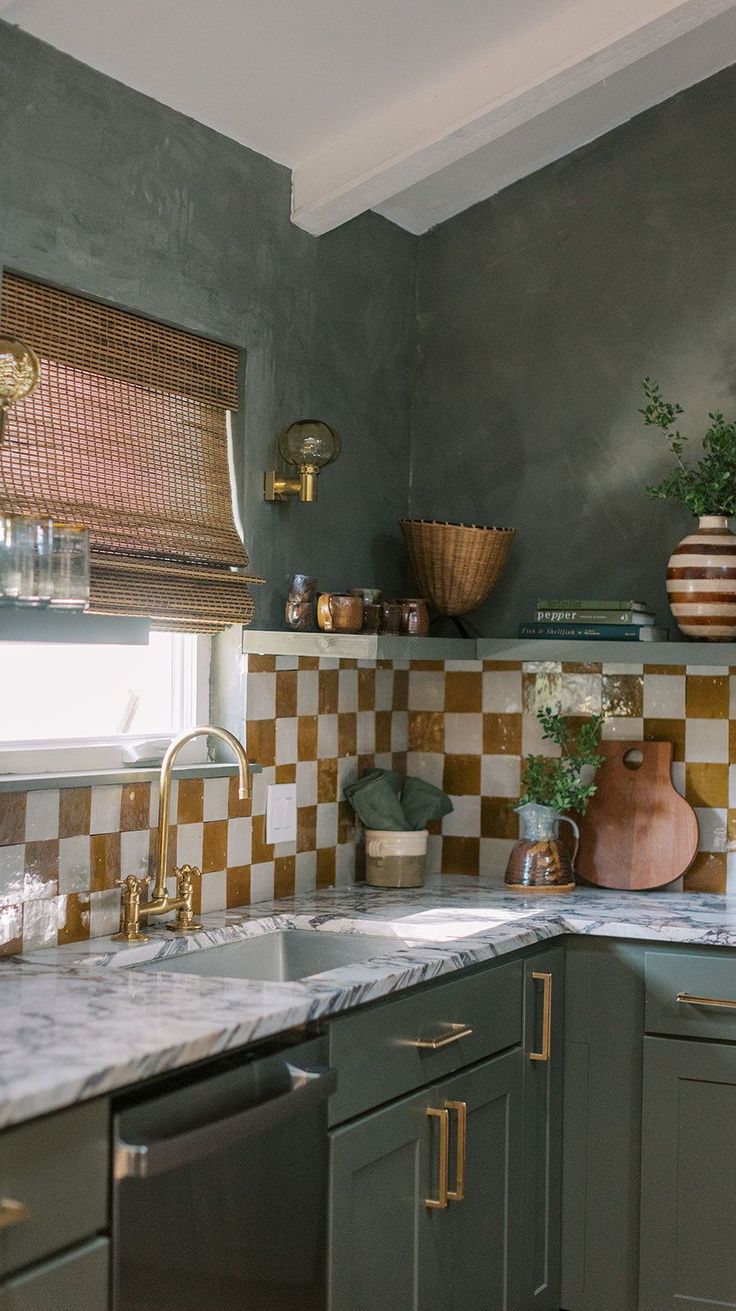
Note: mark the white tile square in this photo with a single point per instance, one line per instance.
(74, 864)
(400, 730)
(664, 696)
(345, 865)
(286, 662)
(286, 740)
(732, 696)
(327, 824)
(239, 841)
(260, 696)
(189, 839)
(494, 855)
(463, 666)
(347, 691)
(214, 891)
(502, 691)
(12, 872)
(678, 776)
(712, 826)
(426, 689)
(307, 692)
(261, 881)
(706, 740)
(428, 765)
(731, 872)
(613, 667)
(621, 728)
(134, 852)
(500, 776)
(105, 811)
(261, 783)
(532, 741)
(463, 734)
(306, 871)
(104, 912)
(42, 815)
(216, 792)
(347, 772)
(41, 922)
(366, 736)
(306, 783)
(580, 694)
(464, 819)
(434, 853)
(329, 662)
(326, 737)
(385, 689)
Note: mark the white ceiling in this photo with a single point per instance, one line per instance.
(417, 108)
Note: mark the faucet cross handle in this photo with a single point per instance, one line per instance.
(184, 921)
(130, 909)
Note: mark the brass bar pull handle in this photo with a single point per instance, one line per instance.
(691, 1000)
(440, 1202)
(458, 1192)
(544, 1054)
(457, 1031)
(12, 1212)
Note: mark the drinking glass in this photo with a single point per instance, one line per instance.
(70, 566)
(27, 576)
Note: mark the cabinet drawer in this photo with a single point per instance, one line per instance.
(692, 995)
(55, 1170)
(386, 1051)
(76, 1281)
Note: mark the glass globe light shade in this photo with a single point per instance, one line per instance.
(309, 442)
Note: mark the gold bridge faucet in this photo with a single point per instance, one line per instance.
(134, 908)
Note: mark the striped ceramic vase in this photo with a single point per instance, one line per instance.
(701, 581)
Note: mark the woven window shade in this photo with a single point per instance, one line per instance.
(127, 434)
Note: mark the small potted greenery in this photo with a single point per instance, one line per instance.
(539, 862)
(701, 573)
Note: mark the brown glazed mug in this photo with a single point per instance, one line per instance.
(337, 613)
(414, 617)
(391, 617)
(372, 616)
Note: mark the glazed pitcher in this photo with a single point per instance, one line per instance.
(539, 862)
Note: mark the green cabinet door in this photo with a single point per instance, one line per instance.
(475, 1256)
(688, 1197)
(544, 977)
(383, 1167)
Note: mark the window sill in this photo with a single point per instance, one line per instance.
(105, 777)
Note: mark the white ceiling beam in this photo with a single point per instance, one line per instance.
(525, 75)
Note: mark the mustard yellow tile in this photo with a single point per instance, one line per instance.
(667, 730)
(706, 785)
(707, 872)
(707, 696)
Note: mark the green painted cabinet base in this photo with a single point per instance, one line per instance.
(77, 1281)
(388, 1249)
(544, 979)
(688, 1211)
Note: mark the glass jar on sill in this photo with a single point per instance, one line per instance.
(70, 567)
(26, 560)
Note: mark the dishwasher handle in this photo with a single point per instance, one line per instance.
(144, 1160)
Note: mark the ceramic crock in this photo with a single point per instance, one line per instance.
(539, 862)
(701, 581)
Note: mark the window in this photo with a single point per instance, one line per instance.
(78, 707)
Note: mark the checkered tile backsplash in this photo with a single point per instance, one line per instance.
(465, 726)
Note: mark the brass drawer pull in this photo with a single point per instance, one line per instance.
(692, 1000)
(440, 1202)
(457, 1194)
(544, 1054)
(458, 1031)
(12, 1212)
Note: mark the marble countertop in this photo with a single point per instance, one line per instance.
(77, 1021)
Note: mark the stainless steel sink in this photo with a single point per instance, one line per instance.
(279, 957)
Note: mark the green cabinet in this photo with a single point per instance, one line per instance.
(544, 976)
(688, 1194)
(389, 1245)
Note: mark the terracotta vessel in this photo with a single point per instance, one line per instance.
(337, 613)
(539, 862)
(701, 581)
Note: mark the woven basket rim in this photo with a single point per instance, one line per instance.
(448, 523)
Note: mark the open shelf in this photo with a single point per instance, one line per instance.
(359, 646)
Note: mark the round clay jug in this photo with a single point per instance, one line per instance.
(701, 581)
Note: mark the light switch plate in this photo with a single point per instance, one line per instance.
(281, 813)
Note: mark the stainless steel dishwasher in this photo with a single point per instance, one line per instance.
(220, 1186)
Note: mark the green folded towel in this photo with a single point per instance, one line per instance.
(381, 802)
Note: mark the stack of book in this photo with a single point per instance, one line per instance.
(607, 621)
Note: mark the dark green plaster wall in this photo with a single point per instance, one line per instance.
(109, 193)
(540, 311)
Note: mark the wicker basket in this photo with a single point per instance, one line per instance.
(456, 565)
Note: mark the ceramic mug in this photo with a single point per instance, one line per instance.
(391, 617)
(414, 617)
(369, 595)
(337, 613)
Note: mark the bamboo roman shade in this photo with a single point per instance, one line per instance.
(127, 434)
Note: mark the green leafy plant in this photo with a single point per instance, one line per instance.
(564, 781)
(709, 485)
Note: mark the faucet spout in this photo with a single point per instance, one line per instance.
(164, 803)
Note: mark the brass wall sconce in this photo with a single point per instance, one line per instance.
(309, 445)
(20, 371)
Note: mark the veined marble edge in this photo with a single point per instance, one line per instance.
(71, 1028)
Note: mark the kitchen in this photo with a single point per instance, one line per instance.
(479, 346)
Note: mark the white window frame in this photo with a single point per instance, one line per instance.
(85, 755)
